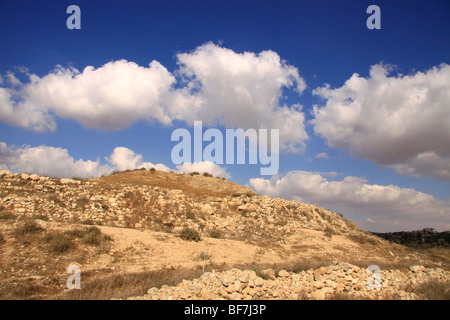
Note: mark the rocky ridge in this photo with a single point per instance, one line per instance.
(424, 238)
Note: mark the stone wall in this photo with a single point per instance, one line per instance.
(322, 283)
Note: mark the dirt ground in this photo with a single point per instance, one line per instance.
(29, 269)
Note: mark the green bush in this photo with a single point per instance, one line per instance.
(190, 235)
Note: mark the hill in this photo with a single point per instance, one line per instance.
(131, 231)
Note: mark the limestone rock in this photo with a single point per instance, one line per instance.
(283, 274)
(268, 273)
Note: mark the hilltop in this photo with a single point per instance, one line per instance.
(145, 228)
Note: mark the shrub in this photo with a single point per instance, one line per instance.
(216, 234)
(121, 286)
(75, 233)
(27, 228)
(329, 232)
(190, 215)
(195, 173)
(40, 217)
(94, 236)
(152, 169)
(190, 235)
(434, 290)
(204, 256)
(2, 239)
(58, 242)
(91, 235)
(88, 222)
(206, 174)
(6, 216)
(362, 238)
(82, 202)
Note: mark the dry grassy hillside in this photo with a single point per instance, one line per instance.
(135, 230)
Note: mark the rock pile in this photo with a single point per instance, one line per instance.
(319, 284)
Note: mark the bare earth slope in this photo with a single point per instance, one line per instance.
(123, 231)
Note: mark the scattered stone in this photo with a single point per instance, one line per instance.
(283, 274)
(25, 176)
(268, 273)
(417, 269)
(69, 181)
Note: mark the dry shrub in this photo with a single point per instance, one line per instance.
(82, 202)
(58, 242)
(128, 285)
(91, 235)
(190, 235)
(28, 227)
(215, 233)
(7, 216)
(432, 290)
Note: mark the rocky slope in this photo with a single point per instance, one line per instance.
(144, 212)
(167, 202)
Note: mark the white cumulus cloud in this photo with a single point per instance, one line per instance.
(402, 122)
(212, 84)
(123, 159)
(243, 90)
(111, 97)
(386, 207)
(48, 161)
(57, 162)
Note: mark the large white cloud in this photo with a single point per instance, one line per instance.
(378, 207)
(57, 162)
(123, 159)
(215, 84)
(110, 97)
(402, 122)
(49, 161)
(243, 90)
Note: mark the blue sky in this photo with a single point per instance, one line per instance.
(374, 148)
